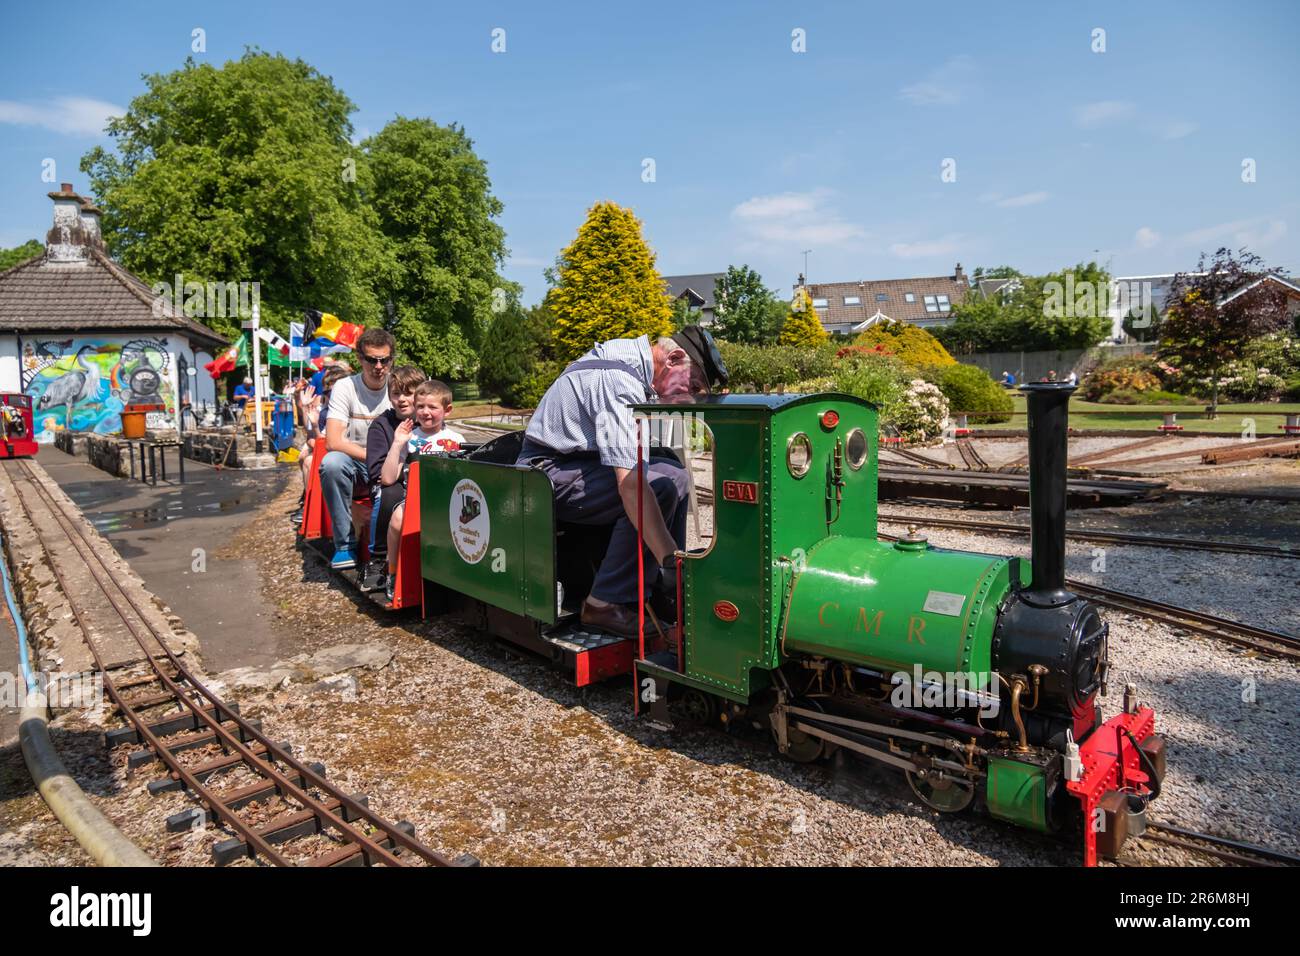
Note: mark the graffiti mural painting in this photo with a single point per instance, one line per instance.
(84, 384)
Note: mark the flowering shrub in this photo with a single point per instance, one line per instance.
(922, 414)
(1246, 382)
(1124, 375)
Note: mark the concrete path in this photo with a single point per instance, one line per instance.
(157, 529)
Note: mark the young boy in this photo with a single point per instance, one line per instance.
(402, 384)
(424, 434)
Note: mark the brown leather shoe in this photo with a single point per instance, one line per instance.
(615, 618)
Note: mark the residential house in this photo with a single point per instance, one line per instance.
(847, 308)
(697, 290)
(84, 337)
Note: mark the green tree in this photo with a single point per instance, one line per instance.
(28, 250)
(1215, 313)
(244, 172)
(1061, 310)
(744, 310)
(802, 326)
(516, 343)
(683, 314)
(605, 285)
(433, 201)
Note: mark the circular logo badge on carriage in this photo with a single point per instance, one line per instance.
(470, 523)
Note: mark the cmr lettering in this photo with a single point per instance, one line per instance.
(74, 909)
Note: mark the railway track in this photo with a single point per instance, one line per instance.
(1262, 640)
(1115, 537)
(972, 458)
(289, 799)
(1230, 851)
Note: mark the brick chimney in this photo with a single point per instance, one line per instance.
(959, 276)
(76, 227)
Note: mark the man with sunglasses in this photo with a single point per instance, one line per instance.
(355, 402)
(583, 435)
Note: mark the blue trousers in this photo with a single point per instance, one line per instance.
(340, 476)
(585, 493)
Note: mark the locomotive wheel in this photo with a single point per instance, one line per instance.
(945, 794)
(805, 748)
(697, 707)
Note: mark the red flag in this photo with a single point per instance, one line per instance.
(227, 361)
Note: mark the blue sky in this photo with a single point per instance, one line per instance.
(1132, 156)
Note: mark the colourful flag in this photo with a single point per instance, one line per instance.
(230, 359)
(324, 346)
(343, 333)
(279, 345)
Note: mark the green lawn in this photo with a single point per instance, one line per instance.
(1269, 417)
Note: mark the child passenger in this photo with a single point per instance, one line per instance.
(402, 384)
(424, 434)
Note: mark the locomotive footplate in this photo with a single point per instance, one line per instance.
(593, 655)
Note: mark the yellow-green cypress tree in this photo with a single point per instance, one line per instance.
(606, 285)
(802, 326)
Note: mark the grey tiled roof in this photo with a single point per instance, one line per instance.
(893, 306)
(93, 294)
(701, 284)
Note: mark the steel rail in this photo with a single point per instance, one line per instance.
(973, 459)
(1275, 643)
(283, 784)
(1233, 851)
(1089, 534)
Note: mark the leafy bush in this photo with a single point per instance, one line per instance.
(1292, 391)
(1245, 381)
(970, 389)
(881, 380)
(1133, 375)
(922, 414)
(1122, 396)
(761, 367)
(911, 343)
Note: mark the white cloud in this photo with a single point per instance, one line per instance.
(1092, 115)
(1025, 199)
(780, 204)
(1254, 234)
(71, 115)
(927, 247)
(1175, 129)
(795, 217)
(945, 86)
(1146, 237)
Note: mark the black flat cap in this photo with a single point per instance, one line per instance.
(699, 345)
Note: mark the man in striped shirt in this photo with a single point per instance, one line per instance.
(584, 437)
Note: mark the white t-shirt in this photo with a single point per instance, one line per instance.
(352, 403)
(430, 443)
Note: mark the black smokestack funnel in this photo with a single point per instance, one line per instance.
(1048, 423)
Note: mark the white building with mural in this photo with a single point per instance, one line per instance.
(85, 338)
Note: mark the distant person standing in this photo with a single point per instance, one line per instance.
(243, 393)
